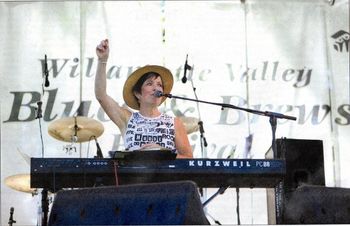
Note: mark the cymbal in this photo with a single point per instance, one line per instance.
(64, 129)
(191, 124)
(20, 182)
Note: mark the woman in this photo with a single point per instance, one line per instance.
(148, 128)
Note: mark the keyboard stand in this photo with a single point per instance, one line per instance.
(220, 191)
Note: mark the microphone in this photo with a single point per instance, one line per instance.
(99, 152)
(158, 93)
(39, 113)
(46, 73)
(187, 67)
(11, 221)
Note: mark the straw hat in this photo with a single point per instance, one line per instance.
(165, 74)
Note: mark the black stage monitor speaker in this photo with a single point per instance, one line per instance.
(304, 166)
(304, 162)
(318, 205)
(146, 204)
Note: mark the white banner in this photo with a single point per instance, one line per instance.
(289, 57)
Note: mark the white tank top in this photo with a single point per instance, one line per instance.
(142, 130)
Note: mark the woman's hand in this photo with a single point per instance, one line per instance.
(102, 50)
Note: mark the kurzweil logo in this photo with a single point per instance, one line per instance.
(341, 40)
(229, 163)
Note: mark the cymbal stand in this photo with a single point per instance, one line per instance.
(75, 136)
(69, 148)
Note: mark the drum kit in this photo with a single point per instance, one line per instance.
(76, 130)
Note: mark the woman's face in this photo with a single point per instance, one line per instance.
(148, 88)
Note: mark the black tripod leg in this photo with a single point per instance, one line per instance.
(45, 207)
(220, 191)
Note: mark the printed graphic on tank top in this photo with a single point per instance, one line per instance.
(142, 130)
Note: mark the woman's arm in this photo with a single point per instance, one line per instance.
(182, 144)
(115, 112)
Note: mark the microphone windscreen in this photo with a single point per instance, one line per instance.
(184, 79)
(158, 93)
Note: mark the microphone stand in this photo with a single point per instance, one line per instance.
(203, 141)
(39, 113)
(272, 115)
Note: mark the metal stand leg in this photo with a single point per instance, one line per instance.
(45, 207)
(220, 191)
